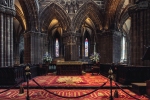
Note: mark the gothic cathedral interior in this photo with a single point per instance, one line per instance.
(71, 30)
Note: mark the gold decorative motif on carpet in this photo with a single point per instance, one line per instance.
(70, 79)
(82, 80)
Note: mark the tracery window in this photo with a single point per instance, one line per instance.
(86, 47)
(57, 48)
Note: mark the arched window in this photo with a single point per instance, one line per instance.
(86, 47)
(124, 47)
(57, 48)
(124, 50)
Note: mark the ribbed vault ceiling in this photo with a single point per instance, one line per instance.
(38, 15)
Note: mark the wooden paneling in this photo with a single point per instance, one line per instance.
(130, 74)
(11, 75)
(14, 75)
(126, 74)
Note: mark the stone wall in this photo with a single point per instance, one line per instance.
(105, 47)
(116, 47)
(139, 35)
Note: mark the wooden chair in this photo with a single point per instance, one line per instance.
(46, 68)
(43, 69)
(96, 68)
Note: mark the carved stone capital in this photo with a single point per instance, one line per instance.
(7, 10)
(13, 13)
(35, 34)
(41, 34)
(2, 8)
(140, 5)
(27, 34)
(3, 2)
(117, 33)
(10, 11)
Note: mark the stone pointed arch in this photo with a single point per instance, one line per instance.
(20, 17)
(89, 9)
(111, 9)
(31, 12)
(123, 16)
(54, 11)
(118, 13)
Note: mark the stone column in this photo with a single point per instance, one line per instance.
(116, 46)
(37, 48)
(83, 48)
(16, 53)
(32, 47)
(8, 3)
(8, 40)
(11, 42)
(40, 47)
(27, 48)
(92, 47)
(71, 47)
(61, 48)
(44, 43)
(39, 54)
(5, 41)
(53, 48)
(139, 34)
(1, 40)
(128, 50)
(34, 43)
(49, 45)
(6, 24)
(105, 48)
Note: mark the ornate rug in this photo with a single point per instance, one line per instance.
(84, 80)
(37, 94)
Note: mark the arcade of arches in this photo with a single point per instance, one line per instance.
(69, 30)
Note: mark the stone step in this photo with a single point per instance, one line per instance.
(139, 88)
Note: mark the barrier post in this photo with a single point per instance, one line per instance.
(110, 72)
(28, 73)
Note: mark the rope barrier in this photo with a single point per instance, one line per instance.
(11, 87)
(70, 97)
(126, 92)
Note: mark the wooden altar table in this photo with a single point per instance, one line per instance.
(69, 68)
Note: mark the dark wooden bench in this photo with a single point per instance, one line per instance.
(139, 88)
(95, 68)
(148, 87)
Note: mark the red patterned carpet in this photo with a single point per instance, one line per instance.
(68, 94)
(38, 94)
(84, 80)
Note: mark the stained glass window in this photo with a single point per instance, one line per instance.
(86, 47)
(57, 48)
